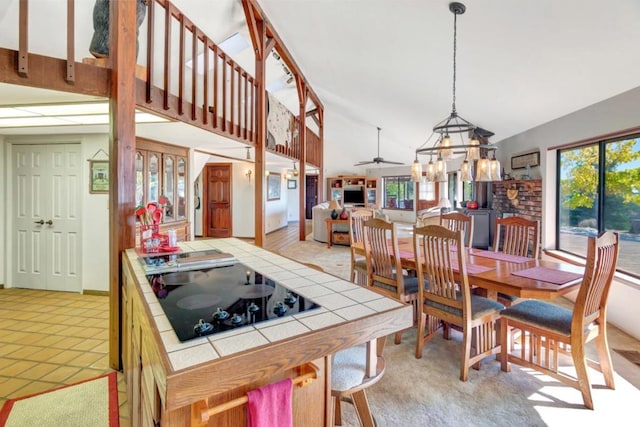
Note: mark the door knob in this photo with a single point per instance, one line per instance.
(50, 222)
(41, 222)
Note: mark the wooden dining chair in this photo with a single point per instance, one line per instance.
(357, 219)
(517, 236)
(353, 370)
(548, 330)
(384, 268)
(458, 221)
(450, 301)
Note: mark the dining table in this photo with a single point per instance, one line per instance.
(497, 272)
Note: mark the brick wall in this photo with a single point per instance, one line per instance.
(529, 199)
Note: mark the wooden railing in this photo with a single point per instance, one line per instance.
(220, 100)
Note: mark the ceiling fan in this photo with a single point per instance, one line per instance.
(377, 160)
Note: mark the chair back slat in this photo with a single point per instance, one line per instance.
(602, 256)
(517, 236)
(458, 221)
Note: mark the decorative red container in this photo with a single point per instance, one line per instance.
(472, 204)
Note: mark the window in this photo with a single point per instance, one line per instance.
(398, 192)
(599, 190)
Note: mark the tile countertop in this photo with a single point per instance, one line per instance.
(341, 302)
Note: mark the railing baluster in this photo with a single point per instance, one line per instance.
(181, 66)
(150, 50)
(205, 83)
(215, 87)
(167, 54)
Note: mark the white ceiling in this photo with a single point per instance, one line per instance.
(388, 63)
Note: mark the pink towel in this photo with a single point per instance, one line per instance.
(270, 406)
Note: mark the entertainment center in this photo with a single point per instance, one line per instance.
(353, 190)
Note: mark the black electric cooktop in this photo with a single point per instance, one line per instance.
(212, 300)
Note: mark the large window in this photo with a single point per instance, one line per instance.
(599, 190)
(398, 192)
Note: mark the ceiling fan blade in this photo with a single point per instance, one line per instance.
(363, 163)
(391, 163)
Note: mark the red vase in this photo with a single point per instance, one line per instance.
(344, 214)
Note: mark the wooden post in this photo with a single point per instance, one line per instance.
(122, 147)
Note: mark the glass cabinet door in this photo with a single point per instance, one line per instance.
(139, 179)
(336, 193)
(154, 178)
(181, 199)
(168, 182)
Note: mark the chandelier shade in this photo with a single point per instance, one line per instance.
(457, 128)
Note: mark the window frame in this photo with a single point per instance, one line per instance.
(405, 178)
(600, 207)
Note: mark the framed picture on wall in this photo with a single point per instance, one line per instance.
(524, 160)
(273, 186)
(98, 176)
(292, 184)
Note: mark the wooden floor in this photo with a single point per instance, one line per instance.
(281, 238)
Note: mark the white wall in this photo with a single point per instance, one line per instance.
(275, 214)
(4, 247)
(95, 221)
(293, 207)
(611, 115)
(243, 201)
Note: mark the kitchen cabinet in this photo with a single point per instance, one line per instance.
(191, 392)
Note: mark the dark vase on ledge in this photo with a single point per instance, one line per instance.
(99, 46)
(334, 214)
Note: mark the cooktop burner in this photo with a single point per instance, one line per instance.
(211, 300)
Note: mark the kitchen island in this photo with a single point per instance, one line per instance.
(202, 381)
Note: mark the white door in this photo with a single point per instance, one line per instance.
(46, 217)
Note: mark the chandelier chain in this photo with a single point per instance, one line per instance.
(455, 49)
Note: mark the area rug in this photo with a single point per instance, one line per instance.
(93, 402)
(335, 260)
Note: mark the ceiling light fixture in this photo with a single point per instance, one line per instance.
(454, 124)
(295, 170)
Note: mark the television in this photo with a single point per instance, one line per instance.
(355, 197)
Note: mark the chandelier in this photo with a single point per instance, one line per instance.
(486, 169)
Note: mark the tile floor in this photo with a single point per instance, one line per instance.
(49, 339)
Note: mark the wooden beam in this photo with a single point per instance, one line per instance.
(122, 148)
(23, 38)
(261, 137)
(70, 41)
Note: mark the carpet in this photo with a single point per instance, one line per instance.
(92, 402)
(427, 392)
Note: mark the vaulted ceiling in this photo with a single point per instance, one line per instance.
(388, 63)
